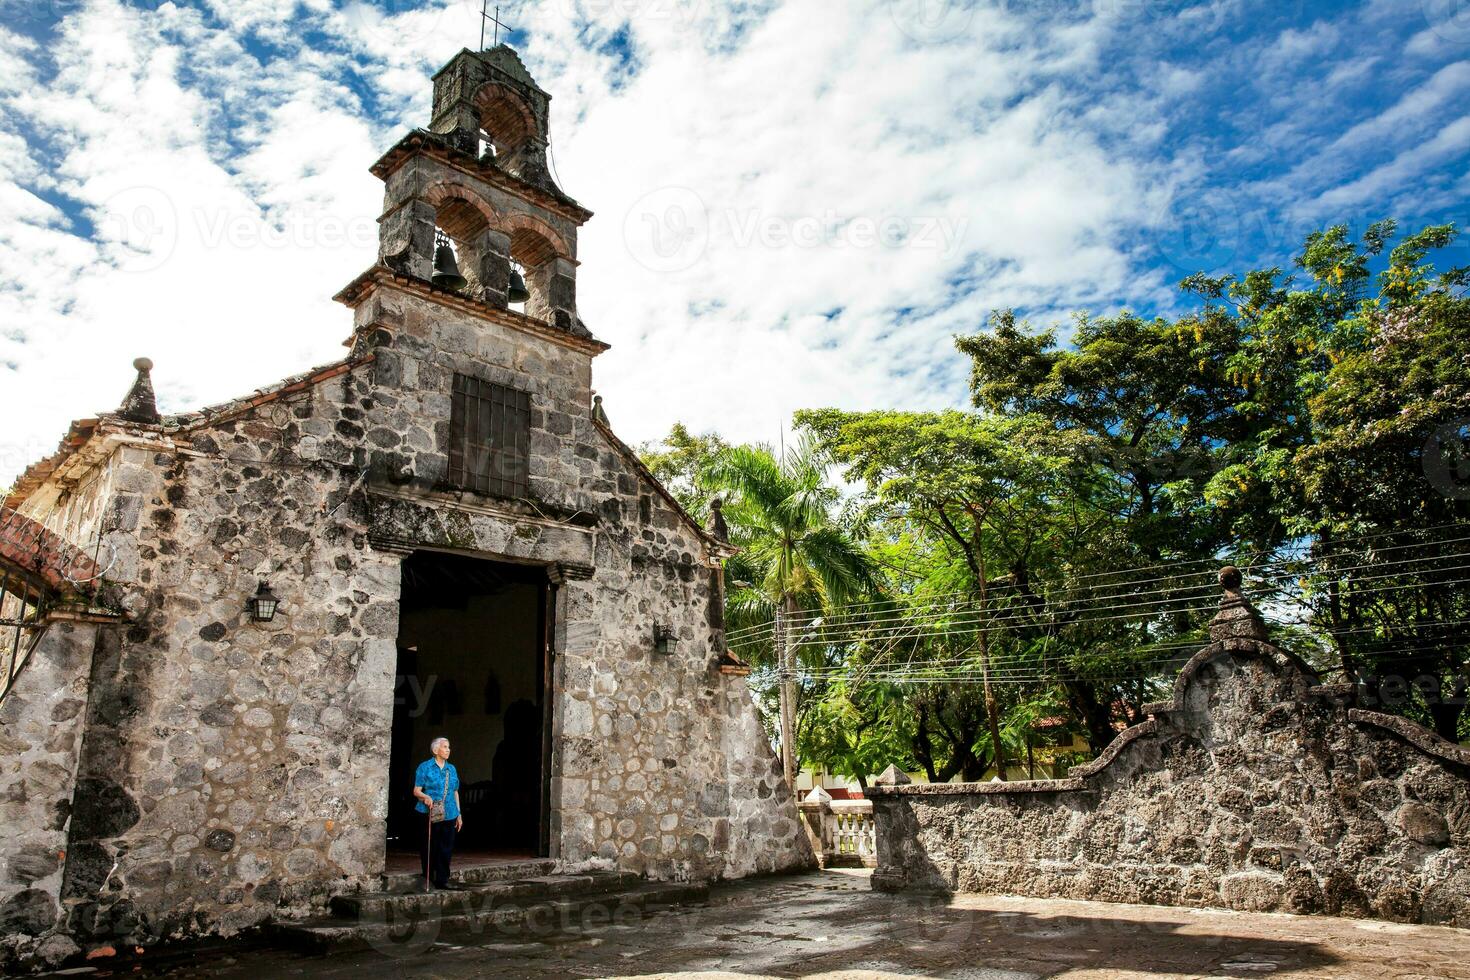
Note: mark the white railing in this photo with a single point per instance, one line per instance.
(842, 832)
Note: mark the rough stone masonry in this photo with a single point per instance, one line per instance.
(1254, 788)
(171, 767)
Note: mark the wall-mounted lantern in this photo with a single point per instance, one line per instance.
(664, 640)
(263, 604)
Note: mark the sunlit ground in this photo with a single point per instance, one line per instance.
(830, 925)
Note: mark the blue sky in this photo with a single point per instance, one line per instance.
(797, 203)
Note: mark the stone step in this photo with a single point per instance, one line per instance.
(522, 891)
(411, 932)
(484, 874)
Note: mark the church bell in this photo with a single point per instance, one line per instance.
(517, 291)
(446, 269)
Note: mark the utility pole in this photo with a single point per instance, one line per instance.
(992, 709)
(786, 658)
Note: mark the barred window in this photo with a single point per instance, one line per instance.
(489, 437)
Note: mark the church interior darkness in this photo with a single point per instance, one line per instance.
(472, 668)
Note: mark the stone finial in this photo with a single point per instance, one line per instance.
(892, 776)
(818, 795)
(1237, 618)
(716, 525)
(140, 404)
(598, 413)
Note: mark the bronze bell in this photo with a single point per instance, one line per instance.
(517, 291)
(446, 269)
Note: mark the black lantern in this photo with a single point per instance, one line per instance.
(664, 640)
(263, 604)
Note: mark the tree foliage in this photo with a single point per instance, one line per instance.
(1313, 419)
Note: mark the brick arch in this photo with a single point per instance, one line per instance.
(461, 211)
(37, 554)
(505, 116)
(533, 241)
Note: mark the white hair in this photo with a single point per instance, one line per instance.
(434, 745)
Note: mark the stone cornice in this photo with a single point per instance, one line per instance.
(1418, 736)
(1068, 785)
(421, 142)
(1242, 646)
(115, 431)
(465, 500)
(379, 276)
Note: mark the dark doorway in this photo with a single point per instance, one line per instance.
(473, 666)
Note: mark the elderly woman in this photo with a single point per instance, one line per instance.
(436, 787)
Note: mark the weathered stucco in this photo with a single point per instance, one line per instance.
(1254, 789)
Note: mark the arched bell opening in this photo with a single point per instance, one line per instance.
(464, 249)
(548, 284)
(506, 126)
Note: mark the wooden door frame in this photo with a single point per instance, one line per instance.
(548, 705)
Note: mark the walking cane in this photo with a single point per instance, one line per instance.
(429, 840)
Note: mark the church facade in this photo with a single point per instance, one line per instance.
(458, 545)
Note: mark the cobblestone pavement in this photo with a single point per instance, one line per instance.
(829, 925)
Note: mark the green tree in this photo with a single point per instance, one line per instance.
(857, 729)
(1376, 470)
(678, 460)
(985, 493)
(796, 556)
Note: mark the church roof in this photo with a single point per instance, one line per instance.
(82, 431)
(715, 545)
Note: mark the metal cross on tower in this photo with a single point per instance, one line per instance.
(492, 18)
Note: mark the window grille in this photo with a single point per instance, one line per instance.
(489, 438)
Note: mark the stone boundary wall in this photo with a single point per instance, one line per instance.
(1254, 788)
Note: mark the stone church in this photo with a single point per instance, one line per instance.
(228, 636)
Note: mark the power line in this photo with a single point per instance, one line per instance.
(1020, 669)
(975, 622)
(1118, 587)
(1183, 644)
(1178, 594)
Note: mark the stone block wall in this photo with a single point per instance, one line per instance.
(231, 771)
(1253, 789)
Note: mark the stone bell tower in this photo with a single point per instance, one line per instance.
(478, 176)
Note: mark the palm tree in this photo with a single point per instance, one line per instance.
(797, 557)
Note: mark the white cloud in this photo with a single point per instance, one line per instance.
(202, 188)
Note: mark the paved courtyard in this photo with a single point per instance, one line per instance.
(830, 925)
